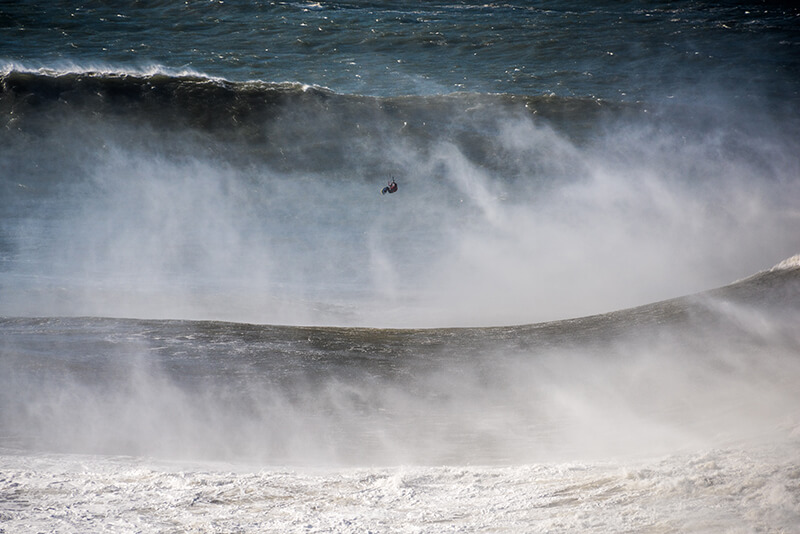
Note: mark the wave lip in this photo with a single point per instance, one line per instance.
(9, 67)
(788, 264)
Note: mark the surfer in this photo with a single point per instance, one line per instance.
(391, 188)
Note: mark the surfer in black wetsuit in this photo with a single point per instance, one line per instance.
(391, 188)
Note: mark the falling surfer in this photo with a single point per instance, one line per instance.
(391, 188)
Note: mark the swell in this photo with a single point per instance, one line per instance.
(772, 295)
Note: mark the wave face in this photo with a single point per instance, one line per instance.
(161, 196)
(276, 123)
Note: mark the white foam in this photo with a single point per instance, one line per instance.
(71, 67)
(740, 489)
(788, 264)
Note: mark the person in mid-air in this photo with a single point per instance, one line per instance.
(391, 188)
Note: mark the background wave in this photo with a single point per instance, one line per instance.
(163, 196)
(271, 122)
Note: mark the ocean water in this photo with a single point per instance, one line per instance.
(577, 313)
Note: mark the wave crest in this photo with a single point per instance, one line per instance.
(214, 102)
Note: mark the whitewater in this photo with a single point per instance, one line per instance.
(578, 313)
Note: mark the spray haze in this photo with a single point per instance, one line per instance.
(259, 203)
(501, 218)
(708, 371)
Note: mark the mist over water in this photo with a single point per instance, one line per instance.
(509, 212)
(501, 217)
(699, 373)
